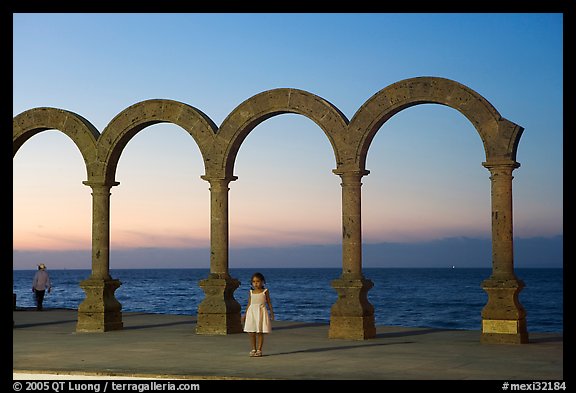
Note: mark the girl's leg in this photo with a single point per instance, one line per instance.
(253, 340)
(260, 341)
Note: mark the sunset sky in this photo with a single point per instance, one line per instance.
(426, 180)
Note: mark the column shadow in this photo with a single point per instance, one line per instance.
(552, 339)
(411, 333)
(28, 325)
(337, 348)
(157, 325)
(299, 326)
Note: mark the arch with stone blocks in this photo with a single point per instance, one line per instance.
(503, 318)
(78, 129)
(246, 116)
(99, 312)
(219, 313)
(100, 286)
(499, 136)
(352, 316)
(124, 126)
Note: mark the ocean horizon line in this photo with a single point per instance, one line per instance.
(301, 268)
(459, 252)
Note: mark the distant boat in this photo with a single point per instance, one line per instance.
(453, 267)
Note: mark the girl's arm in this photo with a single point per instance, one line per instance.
(243, 317)
(269, 305)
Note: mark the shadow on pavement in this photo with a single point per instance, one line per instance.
(28, 325)
(337, 348)
(298, 326)
(157, 325)
(552, 339)
(411, 333)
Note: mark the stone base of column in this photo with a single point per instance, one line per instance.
(503, 317)
(352, 316)
(100, 311)
(219, 312)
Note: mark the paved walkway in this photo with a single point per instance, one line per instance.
(165, 346)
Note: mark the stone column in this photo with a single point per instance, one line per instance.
(100, 311)
(219, 312)
(352, 316)
(503, 317)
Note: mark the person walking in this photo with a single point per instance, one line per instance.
(40, 284)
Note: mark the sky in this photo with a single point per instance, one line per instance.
(426, 183)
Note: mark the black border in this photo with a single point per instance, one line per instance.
(166, 6)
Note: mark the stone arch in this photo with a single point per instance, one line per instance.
(136, 117)
(78, 129)
(242, 120)
(100, 286)
(503, 317)
(499, 136)
(85, 137)
(352, 316)
(219, 313)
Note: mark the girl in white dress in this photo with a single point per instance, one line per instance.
(257, 320)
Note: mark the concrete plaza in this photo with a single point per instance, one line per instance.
(166, 346)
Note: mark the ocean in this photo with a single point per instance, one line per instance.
(414, 297)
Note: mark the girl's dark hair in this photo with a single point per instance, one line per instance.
(260, 276)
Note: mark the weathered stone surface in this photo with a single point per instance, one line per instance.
(352, 315)
(242, 120)
(219, 312)
(79, 130)
(503, 317)
(100, 311)
(144, 114)
(352, 328)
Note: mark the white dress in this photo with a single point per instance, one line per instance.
(257, 317)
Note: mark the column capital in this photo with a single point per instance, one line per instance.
(211, 179)
(355, 172)
(500, 170)
(501, 164)
(93, 184)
